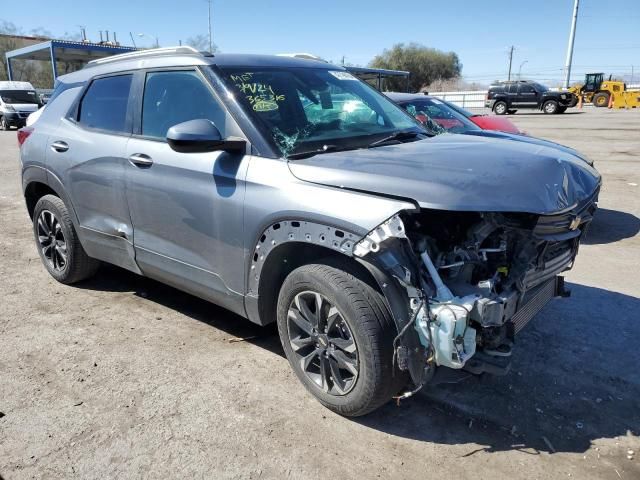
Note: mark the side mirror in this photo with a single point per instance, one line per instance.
(199, 136)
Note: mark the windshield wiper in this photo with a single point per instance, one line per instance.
(311, 153)
(398, 136)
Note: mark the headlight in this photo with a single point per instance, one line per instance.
(9, 108)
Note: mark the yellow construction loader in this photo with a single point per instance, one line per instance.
(606, 93)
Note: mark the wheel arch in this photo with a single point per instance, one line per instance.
(284, 246)
(37, 182)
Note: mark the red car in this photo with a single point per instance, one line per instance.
(488, 122)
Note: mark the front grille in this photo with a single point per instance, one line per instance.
(533, 303)
(561, 223)
(549, 268)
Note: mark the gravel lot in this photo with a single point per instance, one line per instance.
(123, 377)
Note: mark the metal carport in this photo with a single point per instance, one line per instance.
(378, 74)
(63, 51)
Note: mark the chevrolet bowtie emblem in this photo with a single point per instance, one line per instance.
(575, 223)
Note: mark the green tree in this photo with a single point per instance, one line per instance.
(425, 64)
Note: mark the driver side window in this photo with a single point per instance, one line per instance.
(174, 97)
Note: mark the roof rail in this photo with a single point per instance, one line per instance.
(152, 52)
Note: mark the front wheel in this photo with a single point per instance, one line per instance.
(337, 335)
(550, 107)
(601, 99)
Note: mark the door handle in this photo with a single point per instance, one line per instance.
(141, 160)
(59, 146)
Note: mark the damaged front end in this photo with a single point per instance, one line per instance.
(461, 285)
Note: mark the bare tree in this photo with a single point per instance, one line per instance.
(200, 42)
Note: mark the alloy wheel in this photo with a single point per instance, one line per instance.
(51, 240)
(323, 343)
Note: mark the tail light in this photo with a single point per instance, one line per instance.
(23, 134)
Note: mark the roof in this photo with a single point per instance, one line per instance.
(15, 86)
(187, 56)
(67, 51)
(364, 72)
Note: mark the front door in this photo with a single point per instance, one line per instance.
(527, 96)
(186, 207)
(88, 152)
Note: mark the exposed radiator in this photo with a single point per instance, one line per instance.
(533, 304)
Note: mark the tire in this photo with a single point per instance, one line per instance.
(550, 107)
(369, 333)
(561, 109)
(3, 124)
(601, 99)
(58, 244)
(500, 108)
(511, 112)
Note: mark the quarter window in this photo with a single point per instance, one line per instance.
(171, 98)
(104, 106)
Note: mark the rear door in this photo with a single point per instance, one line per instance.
(186, 208)
(87, 152)
(512, 94)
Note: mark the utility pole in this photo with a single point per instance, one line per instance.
(210, 34)
(510, 61)
(572, 37)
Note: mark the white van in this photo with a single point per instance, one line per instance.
(18, 100)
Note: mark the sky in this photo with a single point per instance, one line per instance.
(479, 31)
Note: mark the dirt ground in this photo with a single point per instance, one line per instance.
(121, 377)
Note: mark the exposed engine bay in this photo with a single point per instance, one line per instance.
(472, 281)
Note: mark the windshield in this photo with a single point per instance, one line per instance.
(438, 117)
(19, 96)
(303, 109)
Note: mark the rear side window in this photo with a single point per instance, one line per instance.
(171, 98)
(104, 105)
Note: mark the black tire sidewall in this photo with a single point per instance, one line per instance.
(55, 206)
(354, 402)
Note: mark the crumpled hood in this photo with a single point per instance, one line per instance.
(458, 172)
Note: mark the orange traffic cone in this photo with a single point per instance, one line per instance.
(610, 101)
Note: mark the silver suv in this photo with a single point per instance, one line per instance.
(288, 191)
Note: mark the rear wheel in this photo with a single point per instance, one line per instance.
(58, 244)
(601, 99)
(337, 335)
(500, 108)
(550, 107)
